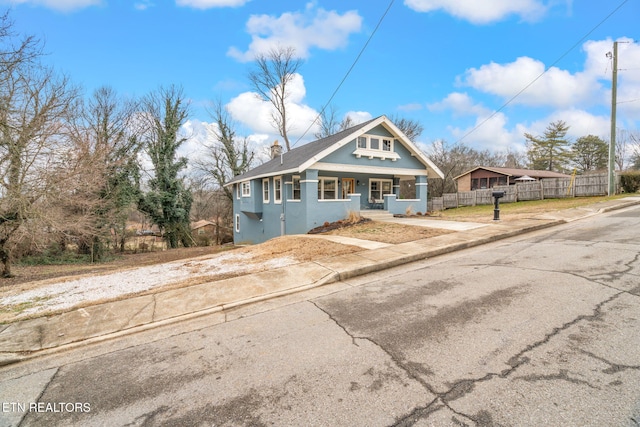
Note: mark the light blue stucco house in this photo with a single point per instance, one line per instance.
(357, 169)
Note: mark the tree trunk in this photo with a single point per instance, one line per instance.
(5, 258)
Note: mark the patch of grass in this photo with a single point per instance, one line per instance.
(529, 207)
(19, 308)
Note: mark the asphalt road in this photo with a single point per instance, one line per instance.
(542, 329)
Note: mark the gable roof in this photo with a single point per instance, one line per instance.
(301, 158)
(517, 172)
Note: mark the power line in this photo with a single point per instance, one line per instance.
(348, 72)
(541, 74)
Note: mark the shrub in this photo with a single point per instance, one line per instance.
(409, 210)
(419, 213)
(630, 181)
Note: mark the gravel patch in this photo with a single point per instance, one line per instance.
(67, 294)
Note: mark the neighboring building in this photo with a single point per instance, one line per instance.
(488, 177)
(206, 232)
(323, 181)
(203, 228)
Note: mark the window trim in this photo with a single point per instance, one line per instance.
(380, 180)
(321, 182)
(277, 192)
(237, 223)
(246, 185)
(294, 179)
(266, 194)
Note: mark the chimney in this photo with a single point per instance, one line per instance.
(276, 149)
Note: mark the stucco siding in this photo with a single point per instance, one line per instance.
(345, 156)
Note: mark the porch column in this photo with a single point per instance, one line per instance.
(421, 192)
(309, 187)
(396, 187)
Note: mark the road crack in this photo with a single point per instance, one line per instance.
(613, 367)
(464, 386)
(437, 403)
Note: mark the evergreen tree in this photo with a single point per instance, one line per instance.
(168, 201)
(551, 151)
(590, 153)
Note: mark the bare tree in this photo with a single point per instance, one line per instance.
(454, 160)
(34, 106)
(624, 147)
(227, 156)
(108, 134)
(411, 128)
(635, 149)
(271, 79)
(330, 124)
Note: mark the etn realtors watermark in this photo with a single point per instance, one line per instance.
(42, 407)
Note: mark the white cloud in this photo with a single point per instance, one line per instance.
(490, 134)
(256, 114)
(460, 103)
(210, 4)
(143, 5)
(358, 117)
(414, 106)
(560, 88)
(557, 88)
(581, 123)
(482, 12)
(61, 5)
(317, 28)
(201, 136)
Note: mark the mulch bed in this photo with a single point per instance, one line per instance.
(326, 227)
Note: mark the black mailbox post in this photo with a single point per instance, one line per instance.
(497, 195)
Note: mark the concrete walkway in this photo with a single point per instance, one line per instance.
(25, 339)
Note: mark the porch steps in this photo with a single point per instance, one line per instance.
(376, 215)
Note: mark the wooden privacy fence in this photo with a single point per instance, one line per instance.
(547, 188)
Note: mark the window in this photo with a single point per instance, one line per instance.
(277, 189)
(237, 223)
(372, 146)
(296, 188)
(238, 191)
(246, 189)
(265, 190)
(379, 187)
(327, 188)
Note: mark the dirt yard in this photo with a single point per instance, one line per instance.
(387, 232)
(300, 248)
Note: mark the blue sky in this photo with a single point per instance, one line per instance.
(448, 64)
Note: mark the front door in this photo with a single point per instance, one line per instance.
(348, 187)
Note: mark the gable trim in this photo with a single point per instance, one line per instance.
(378, 170)
(393, 129)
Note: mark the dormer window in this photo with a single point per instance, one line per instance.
(372, 146)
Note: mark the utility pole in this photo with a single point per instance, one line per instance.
(612, 141)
